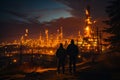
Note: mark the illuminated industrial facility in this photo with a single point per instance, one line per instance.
(48, 44)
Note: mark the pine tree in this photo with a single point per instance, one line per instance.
(113, 22)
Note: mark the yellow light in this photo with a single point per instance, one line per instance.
(79, 56)
(94, 22)
(26, 30)
(89, 45)
(103, 49)
(86, 11)
(14, 60)
(51, 51)
(87, 28)
(88, 21)
(26, 35)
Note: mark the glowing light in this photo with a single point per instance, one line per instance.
(49, 43)
(46, 33)
(79, 56)
(26, 30)
(14, 60)
(86, 11)
(94, 21)
(26, 34)
(87, 28)
(51, 52)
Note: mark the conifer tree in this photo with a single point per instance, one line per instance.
(113, 22)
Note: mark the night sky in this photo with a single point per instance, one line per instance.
(36, 15)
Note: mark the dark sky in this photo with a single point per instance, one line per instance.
(23, 10)
(17, 15)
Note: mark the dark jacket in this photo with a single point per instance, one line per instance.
(61, 53)
(72, 50)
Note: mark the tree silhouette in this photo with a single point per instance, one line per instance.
(113, 22)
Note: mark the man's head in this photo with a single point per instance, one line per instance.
(61, 45)
(72, 41)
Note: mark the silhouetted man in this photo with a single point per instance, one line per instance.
(61, 55)
(72, 51)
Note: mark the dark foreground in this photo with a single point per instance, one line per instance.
(107, 69)
(85, 71)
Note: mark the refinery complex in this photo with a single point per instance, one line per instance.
(91, 40)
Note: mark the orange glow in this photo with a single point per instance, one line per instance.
(48, 43)
(26, 30)
(79, 56)
(14, 60)
(46, 33)
(26, 34)
(86, 11)
(87, 31)
(51, 52)
(87, 28)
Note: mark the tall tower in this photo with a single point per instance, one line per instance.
(46, 34)
(88, 22)
(61, 33)
(26, 34)
(88, 38)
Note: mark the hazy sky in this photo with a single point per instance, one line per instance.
(15, 15)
